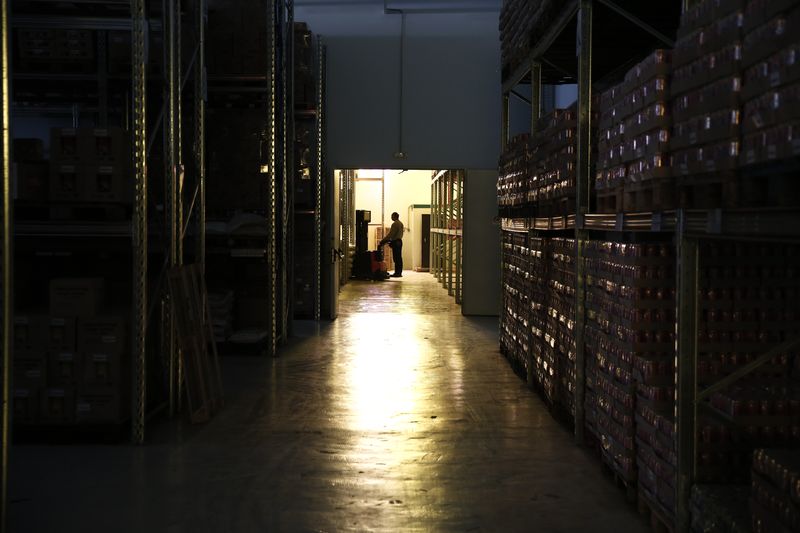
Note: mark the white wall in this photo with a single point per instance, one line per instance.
(481, 245)
(452, 96)
(402, 189)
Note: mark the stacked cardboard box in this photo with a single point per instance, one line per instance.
(515, 324)
(236, 46)
(235, 159)
(630, 349)
(30, 172)
(514, 191)
(304, 86)
(775, 497)
(611, 170)
(537, 310)
(706, 83)
(553, 163)
(559, 345)
(71, 365)
(68, 50)
(771, 95)
(90, 165)
(633, 166)
(523, 22)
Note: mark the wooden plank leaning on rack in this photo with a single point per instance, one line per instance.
(195, 338)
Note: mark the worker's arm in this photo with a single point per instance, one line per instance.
(394, 233)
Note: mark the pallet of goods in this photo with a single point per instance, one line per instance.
(513, 183)
(514, 324)
(630, 354)
(553, 163)
(771, 104)
(706, 82)
(775, 496)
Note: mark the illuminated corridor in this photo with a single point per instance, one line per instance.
(399, 416)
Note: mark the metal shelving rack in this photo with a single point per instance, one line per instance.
(447, 215)
(148, 290)
(688, 227)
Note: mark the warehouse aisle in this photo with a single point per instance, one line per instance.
(399, 416)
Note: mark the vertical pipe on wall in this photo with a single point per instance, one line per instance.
(583, 176)
(139, 322)
(6, 243)
(536, 93)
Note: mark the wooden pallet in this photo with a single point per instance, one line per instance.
(650, 195)
(707, 191)
(659, 523)
(625, 485)
(610, 200)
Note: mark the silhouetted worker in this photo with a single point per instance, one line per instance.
(395, 240)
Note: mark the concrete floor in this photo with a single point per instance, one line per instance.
(399, 416)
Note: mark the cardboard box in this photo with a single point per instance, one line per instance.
(104, 146)
(103, 334)
(58, 405)
(99, 408)
(76, 296)
(30, 336)
(28, 150)
(64, 368)
(61, 334)
(26, 405)
(65, 183)
(102, 370)
(107, 183)
(30, 372)
(64, 146)
(31, 181)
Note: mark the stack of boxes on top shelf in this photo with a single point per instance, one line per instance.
(522, 23)
(89, 166)
(516, 19)
(775, 496)
(514, 325)
(771, 101)
(71, 365)
(630, 347)
(633, 166)
(553, 163)
(513, 184)
(706, 85)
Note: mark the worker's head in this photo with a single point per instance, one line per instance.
(395, 216)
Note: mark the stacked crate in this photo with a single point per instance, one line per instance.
(523, 22)
(65, 50)
(775, 496)
(71, 364)
(516, 21)
(771, 96)
(553, 163)
(748, 305)
(649, 182)
(515, 325)
(513, 183)
(706, 85)
(630, 351)
(611, 170)
(558, 361)
(633, 166)
(539, 267)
